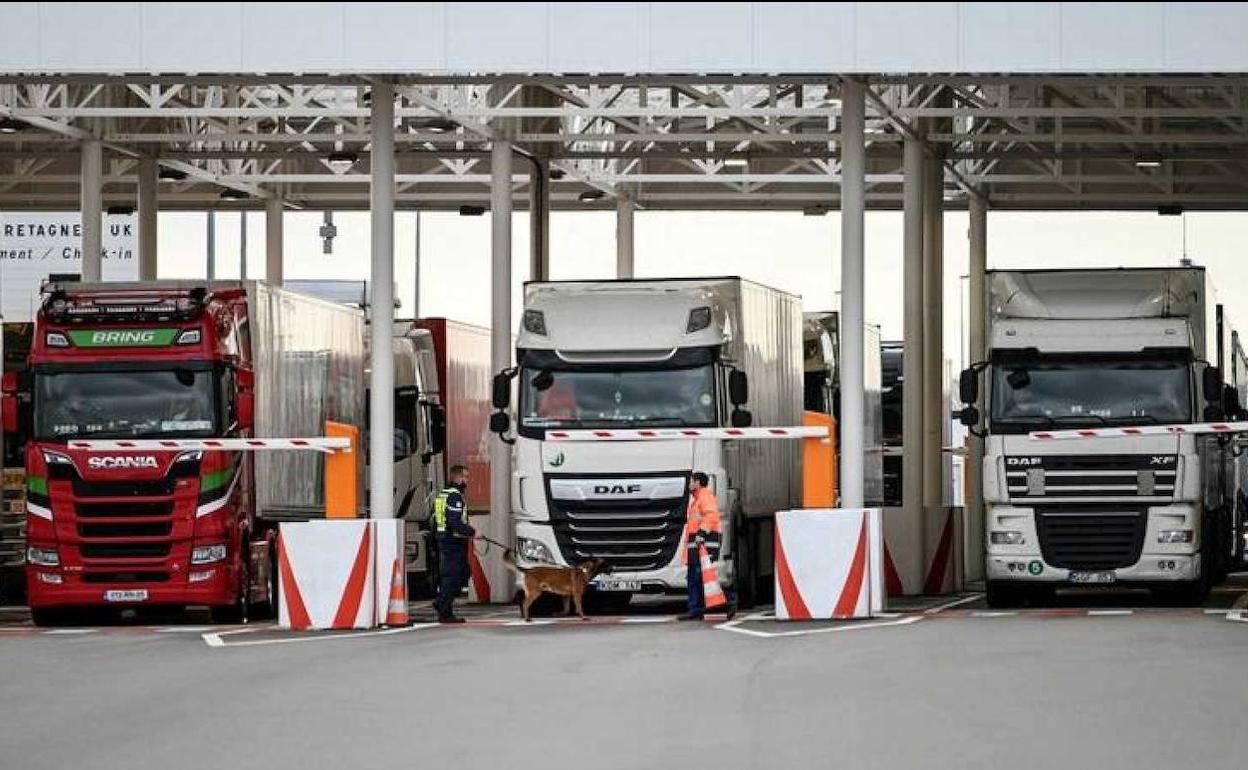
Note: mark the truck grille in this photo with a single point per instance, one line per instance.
(1091, 476)
(120, 510)
(124, 550)
(125, 577)
(126, 529)
(158, 488)
(631, 535)
(1092, 540)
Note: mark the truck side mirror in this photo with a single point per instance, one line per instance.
(1212, 385)
(246, 406)
(437, 429)
(741, 418)
(738, 387)
(968, 415)
(502, 390)
(968, 386)
(499, 423)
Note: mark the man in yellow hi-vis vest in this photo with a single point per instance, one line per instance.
(453, 533)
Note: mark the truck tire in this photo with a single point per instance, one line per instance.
(1003, 596)
(744, 570)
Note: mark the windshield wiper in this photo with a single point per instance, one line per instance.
(1025, 418)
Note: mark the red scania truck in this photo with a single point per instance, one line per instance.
(176, 360)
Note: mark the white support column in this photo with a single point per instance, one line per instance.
(539, 220)
(242, 245)
(273, 240)
(500, 318)
(935, 409)
(91, 182)
(978, 351)
(212, 245)
(381, 306)
(624, 262)
(853, 208)
(148, 211)
(912, 354)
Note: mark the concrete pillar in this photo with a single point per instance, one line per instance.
(912, 353)
(273, 240)
(539, 220)
(624, 263)
(381, 306)
(500, 334)
(91, 182)
(853, 208)
(935, 408)
(211, 220)
(149, 181)
(978, 351)
(242, 245)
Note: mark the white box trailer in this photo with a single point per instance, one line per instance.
(654, 353)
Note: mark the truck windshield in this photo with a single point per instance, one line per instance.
(576, 398)
(1087, 393)
(120, 404)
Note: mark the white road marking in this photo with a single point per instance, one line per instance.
(650, 619)
(986, 614)
(71, 631)
(734, 626)
(216, 639)
(949, 605)
(1239, 610)
(1109, 613)
(523, 622)
(184, 629)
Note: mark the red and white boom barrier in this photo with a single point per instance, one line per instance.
(669, 434)
(1200, 428)
(319, 444)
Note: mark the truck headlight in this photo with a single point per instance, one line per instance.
(56, 458)
(1174, 536)
(1008, 538)
(533, 550)
(207, 554)
(43, 557)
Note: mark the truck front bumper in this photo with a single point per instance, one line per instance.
(1151, 568)
(214, 586)
(665, 579)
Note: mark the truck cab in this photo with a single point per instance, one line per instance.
(1105, 348)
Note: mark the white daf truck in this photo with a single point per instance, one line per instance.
(1094, 348)
(704, 352)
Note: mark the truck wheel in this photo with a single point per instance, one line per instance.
(1003, 596)
(744, 571)
(267, 610)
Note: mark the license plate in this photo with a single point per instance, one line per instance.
(617, 585)
(1091, 577)
(139, 595)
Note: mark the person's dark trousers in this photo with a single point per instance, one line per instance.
(693, 581)
(453, 563)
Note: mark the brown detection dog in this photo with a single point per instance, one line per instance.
(568, 582)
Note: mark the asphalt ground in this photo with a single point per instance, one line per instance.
(1090, 681)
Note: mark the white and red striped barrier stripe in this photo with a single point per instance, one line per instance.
(319, 444)
(668, 434)
(1140, 430)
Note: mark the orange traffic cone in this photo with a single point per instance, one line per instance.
(712, 594)
(396, 610)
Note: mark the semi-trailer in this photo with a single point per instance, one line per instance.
(1091, 348)
(175, 360)
(682, 352)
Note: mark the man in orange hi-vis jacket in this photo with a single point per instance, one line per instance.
(702, 528)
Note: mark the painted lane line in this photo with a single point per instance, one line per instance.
(70, 631)
(1109, 613)
(990, 614)
(216, 639)
(662, 619)
(185, 629)
(949, 605)
(735, 627)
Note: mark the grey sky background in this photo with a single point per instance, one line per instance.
(800, 254)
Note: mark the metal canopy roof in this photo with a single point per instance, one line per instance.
(667, 141)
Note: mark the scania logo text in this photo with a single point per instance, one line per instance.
(111, 463)
(616, 489)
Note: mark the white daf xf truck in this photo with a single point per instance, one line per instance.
(1092, 348)
(627, 354)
